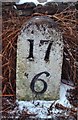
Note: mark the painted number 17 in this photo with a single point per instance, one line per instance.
(47, 54)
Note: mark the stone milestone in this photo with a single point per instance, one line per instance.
(39, 60)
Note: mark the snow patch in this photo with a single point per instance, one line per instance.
(37, 2)
(34, 1)
(40, 107)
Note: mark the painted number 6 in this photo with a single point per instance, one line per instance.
(36, 78)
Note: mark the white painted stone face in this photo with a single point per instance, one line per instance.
(39, 60)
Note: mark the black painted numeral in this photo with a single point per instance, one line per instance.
(30, 57)
(47, 54)
(36, 78)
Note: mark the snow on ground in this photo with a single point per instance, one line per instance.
(37, 2)
(40, 107)
(34, 1)
(63, 100)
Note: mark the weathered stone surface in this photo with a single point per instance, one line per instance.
(57, 7)
(28, 8)
(25, 5)
(27, 12)
(25, 9)
(52, 8)
(49, 8)
(39, 60)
